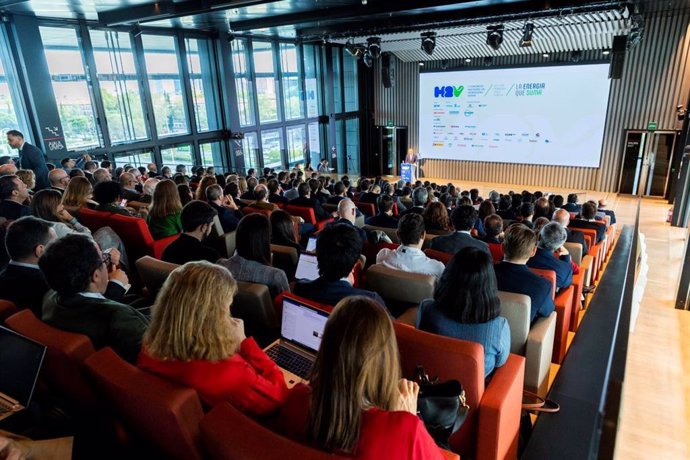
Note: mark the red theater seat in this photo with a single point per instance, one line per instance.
(368, 209)
(308, 215)
(7, 309)
(438, 255)
(496, 252)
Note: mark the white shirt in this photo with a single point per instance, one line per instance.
(24, 264)
(92, 295)
(411, 260)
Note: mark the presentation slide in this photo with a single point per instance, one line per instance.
(535, 115)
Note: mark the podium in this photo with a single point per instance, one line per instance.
(408, 172)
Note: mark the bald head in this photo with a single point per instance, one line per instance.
(347, 210)
(261, 192)
(58, 178)
(127, 180)
(150, 186)
(602, 203)
(562, 217)
(8, 170)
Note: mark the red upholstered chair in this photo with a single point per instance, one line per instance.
(155, 413)
(490, 431)
(564, 306)
(308, 215)
(595, 250)
(438, 255)
(371, 250)
(7, 309)
(496, 252)
(63, 367)
(93, 219)
(368, 209)
(137, 238)
(250, 210)
(395, 210)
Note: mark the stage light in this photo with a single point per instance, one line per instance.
(367, 59)
(606, 52)
(421, 64)
(494, 36)
(545, 55)
(353, 49)
(576, 56)
(428, 42)
(636, 32)
(527, 33)
(374, 47)
(468, 60)
(488, 61)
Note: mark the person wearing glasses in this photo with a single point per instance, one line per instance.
(78, 274)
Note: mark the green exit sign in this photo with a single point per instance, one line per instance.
(651, 126)
(390, 123)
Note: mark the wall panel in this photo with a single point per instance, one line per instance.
(656, 78)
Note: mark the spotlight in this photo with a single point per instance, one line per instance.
(576, 56)
(527, 32)
(374, 47)
(353, 49)
(606, 52)
(636, 32)
(421, 64)
(545, 55)
(494, 36)
(367, 59)
(428, 42)
(488, 61)
(468, 60)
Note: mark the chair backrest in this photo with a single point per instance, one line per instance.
(154, 411)
(134, 233)
(153, 273)
(395, 210)
(253, 304)
(447, 359)
(305, 213)
(251, 210)
(63, 364)
(368, 209)
(444, 257)
(575, 250)
(7, 309)
(93, 219)
(391, 232)
(549, 275)
(516, 308)
(285, 258)
(228, 434)
(389, 284)
(427, 240)
(496, 252)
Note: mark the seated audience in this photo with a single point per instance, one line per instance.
(493, 228)
(557, 201)
(274, 195)
(205, 183)
(164, 211)
(513, 275)
(357, 404)
(505, 209)
(409, 256)
(385, 217)
(78, 195)
(248, 194)
(436, 220)
(539, 224)
(58, 179)
(572, 205)
(129, 184)
(601, 207)
(197, 222)
(185, 193)
(463, 218)
(28, 177)
(292, 192)
(47, 205)
(551, 240)
(338, 248)
(252, 259)
(419, 199)
(261, 202)
(193, 340)
(305, 200)
(587, 220)
(108, 195)
(13, 193)
(148, 188)
(574, 236)
(466, 306)
(78, 273)
(101, 175)
(228, 212)
(283, 230)
(542, 208)
(347, 215)
(527, 214)
(22, 282)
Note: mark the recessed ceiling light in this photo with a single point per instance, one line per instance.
(421, 64)
(468, 60)
(545, 55)
(606, 52)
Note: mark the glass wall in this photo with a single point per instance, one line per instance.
(272, 142)
(11, 107)
(165, 86)
(265, 75)
(312, 83)
(212, 155)
(250, 144)
(178, 155)
(203, 81)
(292, 86)
(137, 158)
(243, 83)
(296, 145)
(73, 96)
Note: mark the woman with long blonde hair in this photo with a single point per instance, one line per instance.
(205, 183)
(164, 211)
(78, 195)
(193, 340)
(356, 403)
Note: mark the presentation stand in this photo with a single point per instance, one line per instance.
(408, 172)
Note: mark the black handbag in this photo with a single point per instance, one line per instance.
(441, 406)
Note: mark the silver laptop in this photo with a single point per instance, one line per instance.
(20, 362)
(311, 245)
(307, 267)
(301, 332)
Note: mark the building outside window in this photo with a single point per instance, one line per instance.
(204, 84)
(266, 88)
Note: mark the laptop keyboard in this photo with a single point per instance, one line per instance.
(290, 361)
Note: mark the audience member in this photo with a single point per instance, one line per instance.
(307, 201)
(261, 194)
(493, 228)
(13, 193)
(28, 177)
(587, 220)
(185, 193)
(384, 218)
(419, 199)
(58, 179)
(539, 224)
(551, 240)
(527, 214)
(601, 207)
(164, 212)
(228, 212)
(129, 187)
(101, 175)
(47, 205)
(205, 183)
(574, 236)
(197, 222)
(108, 195)
(463, 218)
(8, 170)
(347, 215)
(274, 195)
(572, 205)
(78, 195)
(436, 219)
(283, 230)
(147, 190)
(542, 208)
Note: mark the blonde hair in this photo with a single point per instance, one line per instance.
(191, 317)
(519, 241)
(205, 183)
(166, 200)
(28, 177)
(242, 184)
(77, 193)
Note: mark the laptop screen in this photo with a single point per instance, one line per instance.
(311, 245)
(307, 267)
(303, 324)
(20, 362)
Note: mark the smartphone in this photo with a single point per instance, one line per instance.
(123, 203)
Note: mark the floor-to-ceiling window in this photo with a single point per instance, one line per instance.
(12, 111)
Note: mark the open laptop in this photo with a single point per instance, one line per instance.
(301, 332)
(307, 267)
(311, 245)
(20, 362)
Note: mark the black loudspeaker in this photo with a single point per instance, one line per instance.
(388, 70)
(620, 43)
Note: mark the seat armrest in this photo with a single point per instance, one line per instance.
(499, 412)
(538, 353)
(160, 245)
(320, 225)
(448, 455)
(228, 243)
(586, 266)
(564, 308)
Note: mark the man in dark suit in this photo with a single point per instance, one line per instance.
(337, 250)
(551, 239)
(571, 205)
(58, 179)
(30, 157)
(274, 195)
(587, 220)
(420, 195)
(249, 194)
(305, 200)
(512, 275)
(463, 218)
(339, 193)
(385, 216)
(13, 193)
(129, 184)
(574, 236)
(493, 227)
(228, 212)
(197, 223)
(347, 214)
(602, 208)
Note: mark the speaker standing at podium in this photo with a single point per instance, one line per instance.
(409, 167)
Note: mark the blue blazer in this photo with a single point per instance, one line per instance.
(520, 280)
(545, 260)
(382, 220)
(32, 158)
(576, 236)
(331, 292)
(456, 241)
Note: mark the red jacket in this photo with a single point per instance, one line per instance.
(248, 380)
(393, 435)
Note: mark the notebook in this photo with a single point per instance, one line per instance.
(20, 362)
(307, 267)
(301, 332)
(311, 245)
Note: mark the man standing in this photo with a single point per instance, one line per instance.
(30, 157)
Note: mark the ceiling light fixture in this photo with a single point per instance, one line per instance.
(374, 47)
(421, 64)
(367, 59)
(527, 33)
(428, 42)
(353, 49)
(606, 52)
(636, 32)
(545, 55)
(494, 36)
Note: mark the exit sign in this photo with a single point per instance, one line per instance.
(390, 123)
(651, 126)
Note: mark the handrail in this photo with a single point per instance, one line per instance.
(589, 384)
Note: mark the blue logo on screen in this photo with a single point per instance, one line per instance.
(448, 91)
